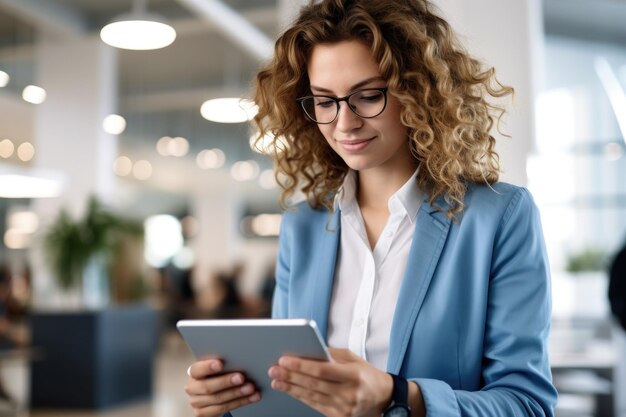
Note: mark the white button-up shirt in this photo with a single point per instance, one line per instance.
(367, 282)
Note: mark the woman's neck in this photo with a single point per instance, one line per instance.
(374, 189)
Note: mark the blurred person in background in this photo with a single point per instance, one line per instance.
(8, 342)
(8, 306)
(617, 287)
(231, 303)
(428, 278)
(617, 300)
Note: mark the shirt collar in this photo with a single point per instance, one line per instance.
(345, 199)
(407, 199)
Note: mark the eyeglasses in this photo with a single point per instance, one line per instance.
(366, 103)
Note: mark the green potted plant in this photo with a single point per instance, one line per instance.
(587, 260)
(586, 270)
(78, 249)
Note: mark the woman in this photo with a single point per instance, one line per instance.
(428, 278)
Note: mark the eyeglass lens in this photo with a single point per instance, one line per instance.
(364, 103)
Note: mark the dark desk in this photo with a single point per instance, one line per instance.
(93, 359)
(583, 365)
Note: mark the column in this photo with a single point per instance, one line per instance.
(80, 77)
(507, 35)
(218, 242)
(288, 11)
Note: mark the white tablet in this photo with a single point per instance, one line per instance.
(252, 347)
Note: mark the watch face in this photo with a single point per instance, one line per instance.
(398, 411)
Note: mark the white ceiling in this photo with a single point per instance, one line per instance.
(160, 92)
(165, 88)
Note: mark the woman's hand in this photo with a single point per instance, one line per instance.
(212, 393)
(347, 387)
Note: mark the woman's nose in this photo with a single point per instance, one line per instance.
(347, 120)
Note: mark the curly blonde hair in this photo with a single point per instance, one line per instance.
(441, 88)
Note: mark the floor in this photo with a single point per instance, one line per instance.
(169, 398)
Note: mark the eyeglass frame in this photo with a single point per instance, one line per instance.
(338, 100)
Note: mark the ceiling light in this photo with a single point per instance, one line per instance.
(267, 180)
(114, 124)
(6, 148)
(15, 239)
(4, 79)
(26, 151)
(34, 94)
(19, 183)
(142, 170)
(122, 166)
(138, 30)
(23, 220)
(229, 110)
(177, 146)
(244, 170)
(162, 145)
(211, 159)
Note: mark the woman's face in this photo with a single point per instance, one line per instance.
(379, 143)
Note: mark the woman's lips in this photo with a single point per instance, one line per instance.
(355, 145)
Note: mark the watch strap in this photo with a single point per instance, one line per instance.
(400, 393)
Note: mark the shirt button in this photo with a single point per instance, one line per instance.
(360, 322)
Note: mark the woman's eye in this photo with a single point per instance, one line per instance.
(325, 103)
(370, 97)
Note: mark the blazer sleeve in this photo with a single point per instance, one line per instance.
(516, 374)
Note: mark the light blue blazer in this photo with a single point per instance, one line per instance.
(472, 319)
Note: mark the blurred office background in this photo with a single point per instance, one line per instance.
(105, 154)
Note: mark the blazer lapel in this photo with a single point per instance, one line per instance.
(323, 277)
(431, 230)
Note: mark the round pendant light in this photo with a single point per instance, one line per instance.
(229, 110)
(138, 30)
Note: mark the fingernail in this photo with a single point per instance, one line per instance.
(286, 362)
(254, 398)
(247, 389)
(273, 373)
(237, 379)
(215, 366)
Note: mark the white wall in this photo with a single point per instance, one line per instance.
(508, 36)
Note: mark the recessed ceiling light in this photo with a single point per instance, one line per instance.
(114, 124)
(34, 94)
(26, 151)
(4, 79)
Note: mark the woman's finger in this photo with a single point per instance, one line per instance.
(213, 385)
(222, 397)
(329, 371)
(221, 409)
(205, 368)
(304, 380)
(317, 400)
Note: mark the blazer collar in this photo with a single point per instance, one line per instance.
(431, 230)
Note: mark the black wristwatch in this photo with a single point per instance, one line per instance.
(399, 406)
